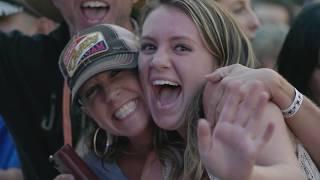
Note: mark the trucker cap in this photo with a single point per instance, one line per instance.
(97, 49)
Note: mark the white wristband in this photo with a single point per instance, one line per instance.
(295, 106)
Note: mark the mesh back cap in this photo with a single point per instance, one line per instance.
(95, 50)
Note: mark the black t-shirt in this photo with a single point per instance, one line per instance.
(31, 95)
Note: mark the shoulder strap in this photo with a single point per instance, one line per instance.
(67, 131)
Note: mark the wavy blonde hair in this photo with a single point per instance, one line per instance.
(225, 40)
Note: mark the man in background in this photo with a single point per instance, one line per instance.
(31, 86)
(16, 17)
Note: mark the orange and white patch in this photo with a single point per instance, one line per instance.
(82, 48)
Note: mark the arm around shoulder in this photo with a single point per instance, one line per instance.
(305, 124)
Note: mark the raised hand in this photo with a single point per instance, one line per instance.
(229, 148)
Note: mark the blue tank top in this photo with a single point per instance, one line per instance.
(104, 170)
(8, 154)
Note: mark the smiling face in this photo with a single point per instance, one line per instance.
(244, 14)
(173, 62)
(80, 14)
(114, 100)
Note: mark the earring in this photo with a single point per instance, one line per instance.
(108, 143)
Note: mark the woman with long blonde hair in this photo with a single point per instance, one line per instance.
(181, 42)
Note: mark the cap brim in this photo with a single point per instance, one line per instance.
(104, 64)
(45, 8)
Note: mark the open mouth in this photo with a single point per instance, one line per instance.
(125, 110)
(95, 11)
(167, 92)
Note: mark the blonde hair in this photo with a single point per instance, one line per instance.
(219, 31)
(225, 40)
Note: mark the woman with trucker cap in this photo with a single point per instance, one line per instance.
(100, 66)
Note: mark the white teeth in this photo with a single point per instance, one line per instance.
(94, 4)
(164, 82)
(125, 110)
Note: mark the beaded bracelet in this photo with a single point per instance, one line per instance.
(295, 106)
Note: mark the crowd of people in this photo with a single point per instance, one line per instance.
(163, 89)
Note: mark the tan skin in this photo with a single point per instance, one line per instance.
(107, 95)
(304, 124)
(239, 133)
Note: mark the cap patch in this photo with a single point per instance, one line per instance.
(82, 48)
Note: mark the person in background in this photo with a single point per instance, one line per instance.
(268, 43)
(243, 13)
(31, 86)
(274, 11)
(275, 17)
(15, 16)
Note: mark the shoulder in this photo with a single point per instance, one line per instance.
(280, 149)
(272, 114)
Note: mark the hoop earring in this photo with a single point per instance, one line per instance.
(108, 143)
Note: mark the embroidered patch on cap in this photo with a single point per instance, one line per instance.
(82, 48)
